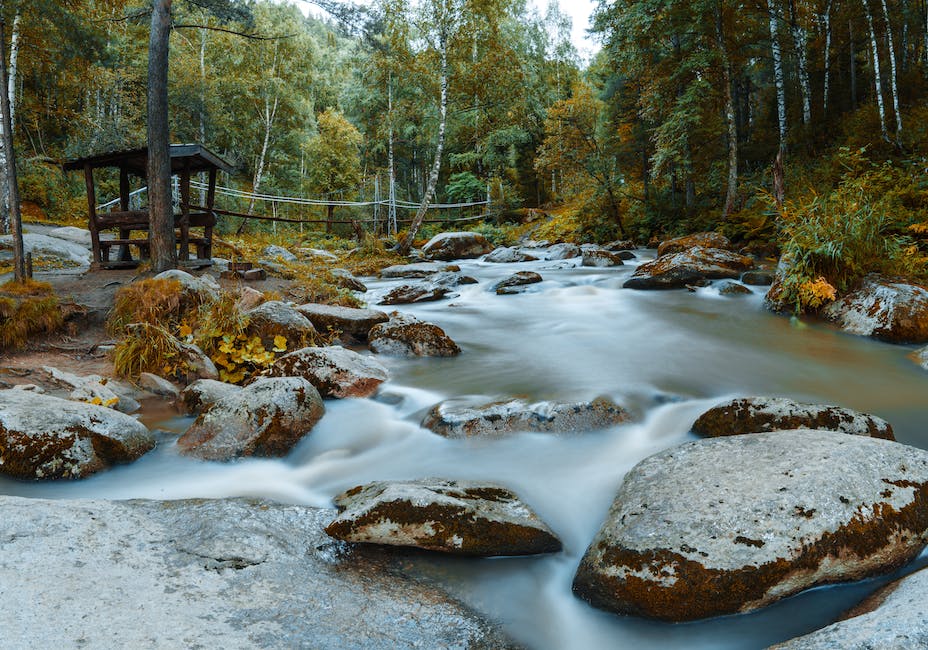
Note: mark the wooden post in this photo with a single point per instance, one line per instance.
(92, 216)
(184, 253)
(124, 233)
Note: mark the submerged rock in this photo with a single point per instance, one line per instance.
(456, 245)
(245, 574)
(920, 357)
(885, 309)
(511, 284)
(406, 335)
(757, 278)
(460, 517)
(410, 293)
(757, 414)
(202, 394)
(701, 239)
(413, 271)
(457, 419)
(508, 255)
(266, 418)
(44, 437)
(891, 618)
(733, 524)
(354, 324)
(689, 267)
(275, 318)
(601, 258)
(334, 371)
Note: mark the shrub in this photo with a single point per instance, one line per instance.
(27, 308)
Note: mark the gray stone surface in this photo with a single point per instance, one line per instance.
(93, 389)
(732, 524)
(266, 418)
(45, 246)
(158, 385)
(508, 255)
(601, 258)
(203, 287)
(456, 245)
(276, 318)
(688, 267)
(732, 288)
(354, 324)
(274, 252)
(410, 293)
(458, 517)
(515, 282)
(418, 270)
(563, 251)
(891, 619)
(884, 309)
(463, 419)
(920, 357)
(45, 437)
(334, 371)
(231, 574)
(703, 239)
(346, 280)
(757, 414)
(202, 394)
(406, 335)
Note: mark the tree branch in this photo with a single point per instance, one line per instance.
(252, 36)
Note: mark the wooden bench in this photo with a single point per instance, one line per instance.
(128, 221)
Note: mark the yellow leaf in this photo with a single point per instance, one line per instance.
(280, 343)
(113, 401)
(185, 331)
(97, 401)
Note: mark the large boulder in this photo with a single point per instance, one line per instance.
(757, 414)
(406, 335)
(885, 309)
(227, 573)
(691, 266)
(275, 318)
(354, 324)
(893, 618)
(515, 282)
(459, 517)
(732, 524)
(508, 255)
(701, 239)
(563, 251)
(202, 394)
(602, 258)
(44, 437)
(414, 271)
(195, 290)
(51, 247)
(334, 371)
(410, 293)
(266, 418)
(456, 246)
(460, 419)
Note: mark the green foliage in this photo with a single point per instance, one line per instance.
(464, 187)
(496, 235)
(334, 160)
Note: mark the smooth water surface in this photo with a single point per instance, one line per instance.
(665, 355)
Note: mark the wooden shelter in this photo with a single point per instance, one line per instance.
(186, 160)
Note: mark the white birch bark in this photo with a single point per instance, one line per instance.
(827, 57)
(14, 68)
(802, 61)
(778, 73)
(892, 70)
(877, 82)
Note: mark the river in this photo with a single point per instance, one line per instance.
(667, 356)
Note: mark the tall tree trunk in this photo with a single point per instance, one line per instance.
(161, 232)
(391, 210)
(892, 70)
(799, 40)
(5, 206)
(731, 194)
(878, 84)
(850, 30)
(15, 218)
(778, 73)
(406, 244)
(268, 117)
(14, 68)
(202, 111)
(827, 57)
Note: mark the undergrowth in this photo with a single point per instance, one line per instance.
(27, 308)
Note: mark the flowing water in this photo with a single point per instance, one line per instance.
(666, 356)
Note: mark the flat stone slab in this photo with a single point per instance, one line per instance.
(732, 524)
(458, 419)
(410, 293)
(757, 414)
(335, 371)
(229, 573)
(352, 323)
(418, 270)
(458, 517)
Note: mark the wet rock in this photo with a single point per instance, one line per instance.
(601, 258)
(891, 618)
(44, 437)
(459, 517)
(620, 245)
(459, 419)
(334, 371)
(513, 282)
(354, 324)
(626, 255)
(275, 318)
(757, 414)
(701, 239)
(508, 255)
(456, 246)
(158, 385)
(676, 270)
(920, 357)
(195, 289)
(419, 270)
(451, 280)
(730, 288)
(279, 253)
(757, 278)
(406, 335)
(45, 246)
(266, 418)
(249, 574)
(409, 293)
(563, 252)
(346, 280)
(732, 524)
(202, 394)
(885, 309)
(775, 300)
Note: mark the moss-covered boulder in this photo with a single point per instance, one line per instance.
(44, 437)
(354, 324)
(515, 282)
(460, 419)
(691, 266)
(266, 418)
(891, 310)
(759, 414)
(509, 255)
(409, 293)
(601, 258)
(202, 394)
(335, 371)
(732, 524)
(406, 335)
(702, 239)
(456, 246)
(276, 318)
(459, 517)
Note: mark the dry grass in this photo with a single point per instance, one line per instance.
(148, 347)
(156, 302)
(26, 309)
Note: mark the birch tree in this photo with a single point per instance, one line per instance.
(778, 80)
(877, 82)
(892, 69)
(802, 61)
